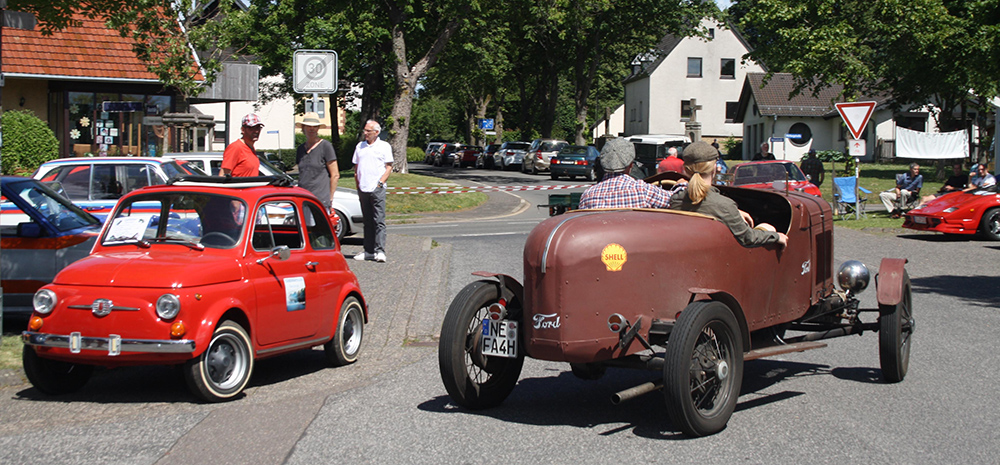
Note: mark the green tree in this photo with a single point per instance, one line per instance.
(916, 51)
(28, 142)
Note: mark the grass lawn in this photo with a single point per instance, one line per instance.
(401, 204)
(10, 351)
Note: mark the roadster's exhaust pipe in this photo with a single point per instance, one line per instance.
(632, 393)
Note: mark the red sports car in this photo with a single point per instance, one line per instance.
(773, 174)
(960, 213)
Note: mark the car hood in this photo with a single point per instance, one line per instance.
(151, 269)
(957, 200)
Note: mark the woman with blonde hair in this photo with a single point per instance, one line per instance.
(701, 197)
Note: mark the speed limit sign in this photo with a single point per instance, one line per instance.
(315, 71)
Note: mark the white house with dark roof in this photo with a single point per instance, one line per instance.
(664, 82)
(769, 113)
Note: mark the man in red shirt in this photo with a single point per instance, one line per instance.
(671, 163)
(239, 159)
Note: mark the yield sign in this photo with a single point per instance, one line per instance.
(856, 115)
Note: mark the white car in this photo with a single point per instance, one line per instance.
(346, 202)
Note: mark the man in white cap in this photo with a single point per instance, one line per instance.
(317, 160)
(239, 159)
(618, 189)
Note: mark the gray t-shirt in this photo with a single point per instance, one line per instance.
(313, 173)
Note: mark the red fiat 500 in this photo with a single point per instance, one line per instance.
(202, 272)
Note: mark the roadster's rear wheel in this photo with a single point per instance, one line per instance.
(895, 329)
(474, 380)
(703, 369)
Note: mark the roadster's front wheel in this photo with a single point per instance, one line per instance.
(474, 380)
(703, 369)
(895, 328)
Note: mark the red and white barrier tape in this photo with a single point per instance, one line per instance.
(472, 189)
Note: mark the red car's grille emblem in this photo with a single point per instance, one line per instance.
(102, 307)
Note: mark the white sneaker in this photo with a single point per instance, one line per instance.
(380, 257)
(360, 257)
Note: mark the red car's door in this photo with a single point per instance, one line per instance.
(288, 291)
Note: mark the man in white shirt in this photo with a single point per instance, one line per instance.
(372, 165)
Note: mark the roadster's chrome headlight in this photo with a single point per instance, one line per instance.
(853, 276)
(44, 301)
(950, 209)
(168, 306)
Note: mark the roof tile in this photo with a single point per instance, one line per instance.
(89, 50)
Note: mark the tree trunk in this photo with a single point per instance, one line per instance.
(406, 82)
(585, 76)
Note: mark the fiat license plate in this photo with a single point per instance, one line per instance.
(500, 338)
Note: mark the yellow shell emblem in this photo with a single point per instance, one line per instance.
(614, 256)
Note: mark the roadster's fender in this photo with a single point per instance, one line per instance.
(889, 282)
(510, 289)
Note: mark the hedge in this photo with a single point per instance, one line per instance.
(27, 142)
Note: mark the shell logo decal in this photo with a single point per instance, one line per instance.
(614, 256)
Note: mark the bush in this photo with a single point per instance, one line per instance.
(414, 154)
(28, 142)
(734, 149)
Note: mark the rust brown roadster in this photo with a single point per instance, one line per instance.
(604, 288)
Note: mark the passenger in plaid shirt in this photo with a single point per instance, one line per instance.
(618, 189)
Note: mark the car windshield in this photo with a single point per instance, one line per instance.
(55, 209)
(762, 173)
(194, 219)
(518, 146)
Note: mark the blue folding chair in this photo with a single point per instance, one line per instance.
(849, 203)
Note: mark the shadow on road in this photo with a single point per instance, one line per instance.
(565, 400)
(976, 290)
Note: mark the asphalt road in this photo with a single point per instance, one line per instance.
(820, 406)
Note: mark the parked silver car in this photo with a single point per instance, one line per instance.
(539, 155)
(509, 155)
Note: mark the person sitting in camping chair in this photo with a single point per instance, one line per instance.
(906, 194)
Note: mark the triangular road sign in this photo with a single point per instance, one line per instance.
(856, 115)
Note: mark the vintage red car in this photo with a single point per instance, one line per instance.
(601, 291)
(960, 213)
(772, 174)
(203, 272)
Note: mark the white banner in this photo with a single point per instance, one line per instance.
(931, 145)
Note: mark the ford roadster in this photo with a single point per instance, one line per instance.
(601, 291)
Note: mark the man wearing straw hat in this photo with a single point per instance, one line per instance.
(317, 160)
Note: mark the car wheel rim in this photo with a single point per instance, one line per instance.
(710, 369)
(994, 224)
(224, 360)
(475, 362)
(352, 332)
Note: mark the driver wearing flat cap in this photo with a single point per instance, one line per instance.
(618, 189)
